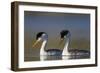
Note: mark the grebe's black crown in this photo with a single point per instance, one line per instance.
(39, 34)
(63, 33)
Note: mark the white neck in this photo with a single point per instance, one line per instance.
(65, 50)
(42, 50)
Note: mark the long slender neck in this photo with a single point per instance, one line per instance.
(65, 50)
(42, 50)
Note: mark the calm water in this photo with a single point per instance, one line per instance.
(31, 55)
(38, 58)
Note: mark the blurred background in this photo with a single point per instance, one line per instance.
(53, 23)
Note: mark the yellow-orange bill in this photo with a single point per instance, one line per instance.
(35, 44)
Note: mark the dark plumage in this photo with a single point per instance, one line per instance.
(42, 35)
(63, 33)
(39, 35)
(78, 54)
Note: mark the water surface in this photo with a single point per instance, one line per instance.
(45, 58)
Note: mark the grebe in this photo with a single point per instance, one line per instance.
(45, 54)
(71, 53)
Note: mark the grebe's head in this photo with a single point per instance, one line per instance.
(41, 36)
(65, 34)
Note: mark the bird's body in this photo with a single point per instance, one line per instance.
(79, 54)
(56, 54)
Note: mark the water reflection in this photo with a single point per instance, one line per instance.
(51, 57)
